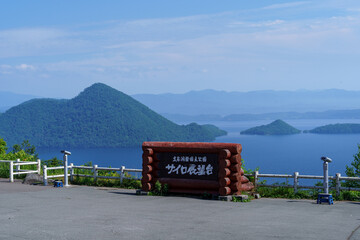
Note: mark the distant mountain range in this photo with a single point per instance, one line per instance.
(331, 114)
(212, 105)
(220, 103)
(100, 116)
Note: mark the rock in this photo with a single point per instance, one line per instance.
(140, 192)
(227, 198)
(256, 195)
(242, 197)
(33, 178)
(237, 198)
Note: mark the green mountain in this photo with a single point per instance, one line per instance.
(339, 128)
(100, 116)
(277, 127)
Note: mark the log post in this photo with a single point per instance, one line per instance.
(45, 175)
(39, 166)
(95, 173)
(11, 171)
(122, 174)
(338, 183)
(296, 174)
(71, 172)
(256, 178)
(18, 167)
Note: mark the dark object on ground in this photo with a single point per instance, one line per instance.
(33, 178)
(58, 184)
(325, 197)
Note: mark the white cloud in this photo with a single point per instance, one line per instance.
(229, 45)
(44, 75)
(140, 44)
(286, 5)
(267, 23)
(25, 67)
(40, 42)
(31, 34)
(5, 66)
(5, 69)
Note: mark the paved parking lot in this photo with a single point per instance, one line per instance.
(79, 212)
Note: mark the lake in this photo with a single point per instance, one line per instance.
(272, 154)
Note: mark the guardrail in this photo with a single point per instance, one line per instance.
(18, 171)
(296, 176)
(95, 170)
(122, 170)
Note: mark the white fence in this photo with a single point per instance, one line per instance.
(18, 170)
(122, 175)
(95, 169)
(296, 176)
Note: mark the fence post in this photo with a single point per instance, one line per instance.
(296, 174)
(337, 177)
(122, 170)
(71, 172)
(45, 175)
(39, 166)
(18, 167)
(11, 171)
(95, 172)
(256, 173)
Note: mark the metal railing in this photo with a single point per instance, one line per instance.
(18, 171)
(95, 172)
(296, 176)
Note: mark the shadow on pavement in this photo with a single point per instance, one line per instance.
(123, 193)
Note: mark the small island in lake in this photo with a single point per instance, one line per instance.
(277, 127)
(339, 128)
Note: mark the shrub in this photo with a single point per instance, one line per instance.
(160, 189)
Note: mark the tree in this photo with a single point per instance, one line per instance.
(354, 169)
(3, 146)
(26, 147)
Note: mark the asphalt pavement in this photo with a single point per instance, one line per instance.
(81, 212)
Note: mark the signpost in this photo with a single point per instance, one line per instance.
(65, 158)
(194, 167)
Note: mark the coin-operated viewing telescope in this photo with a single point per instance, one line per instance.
(326, 173)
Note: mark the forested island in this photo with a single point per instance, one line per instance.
(100, 116)
(278, 127)
(339, 128)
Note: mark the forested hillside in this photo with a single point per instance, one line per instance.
(100, 116)
(339, 128)
(277, 127)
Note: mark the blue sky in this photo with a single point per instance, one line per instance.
(57, 48)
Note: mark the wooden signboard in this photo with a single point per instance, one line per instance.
(194, 167)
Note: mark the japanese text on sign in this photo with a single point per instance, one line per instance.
(188, 165)
(192, 169)
(189, 159)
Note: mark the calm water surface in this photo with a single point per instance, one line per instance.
(272, 154)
